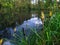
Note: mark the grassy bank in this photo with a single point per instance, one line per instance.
(49, 36)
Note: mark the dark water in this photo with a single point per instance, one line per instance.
(26, 22)
(23, 27)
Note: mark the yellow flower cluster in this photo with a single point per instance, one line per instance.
(1, 40)
(42, 15)
(50, 13)
(14, 29)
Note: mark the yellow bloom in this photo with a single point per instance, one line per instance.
(42, 15)
(14, 29)
(1, 40)
(50, 13)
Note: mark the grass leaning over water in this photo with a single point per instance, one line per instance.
(49, 36)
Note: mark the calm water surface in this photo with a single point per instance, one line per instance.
(26, 22)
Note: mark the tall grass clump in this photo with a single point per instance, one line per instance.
(51, 30)
(50, 35)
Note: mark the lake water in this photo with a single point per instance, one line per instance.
(23, 25)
